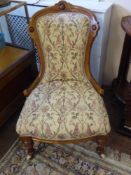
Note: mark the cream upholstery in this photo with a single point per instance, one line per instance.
(63, 110)
(63, 37)
(64, 106)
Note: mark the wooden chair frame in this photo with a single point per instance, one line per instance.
(63, 6)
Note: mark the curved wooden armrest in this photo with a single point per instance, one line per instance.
(27, 91)
(95, 84)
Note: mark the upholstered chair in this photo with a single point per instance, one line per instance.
(64, 103)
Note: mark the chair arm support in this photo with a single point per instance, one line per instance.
(27, 91)
(95, 84)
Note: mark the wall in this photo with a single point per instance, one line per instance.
(116, 38)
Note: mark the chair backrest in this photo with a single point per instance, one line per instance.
(63, 35)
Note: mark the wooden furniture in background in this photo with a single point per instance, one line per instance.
(17, 66)
(122, 86)
(17, 70)
(13, 7)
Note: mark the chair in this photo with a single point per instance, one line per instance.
(64, 103)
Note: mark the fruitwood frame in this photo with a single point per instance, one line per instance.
(63, 6)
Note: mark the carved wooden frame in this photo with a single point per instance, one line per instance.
(63, 6)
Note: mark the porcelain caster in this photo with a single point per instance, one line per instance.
(29, 157)
(102, 156)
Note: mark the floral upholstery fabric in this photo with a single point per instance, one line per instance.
(63, 110)
(63, 38)
(64, 106)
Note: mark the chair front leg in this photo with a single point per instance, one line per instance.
(28, 144)
(101, 141)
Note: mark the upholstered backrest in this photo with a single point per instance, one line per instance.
(63, 37)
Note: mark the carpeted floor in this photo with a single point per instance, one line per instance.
(79, 159)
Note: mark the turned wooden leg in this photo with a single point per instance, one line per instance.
(28, 144)
(102, 140)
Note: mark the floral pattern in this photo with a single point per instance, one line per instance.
(64, 159)
(63, 110)
(64, 106)
(63, 38)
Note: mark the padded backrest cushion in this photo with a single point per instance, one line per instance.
(63, 37)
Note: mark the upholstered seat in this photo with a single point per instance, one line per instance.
(63, 110)
(64, 102)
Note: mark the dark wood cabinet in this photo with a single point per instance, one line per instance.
(18, 69)
(122, 85)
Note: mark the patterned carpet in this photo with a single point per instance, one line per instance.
(80, 159)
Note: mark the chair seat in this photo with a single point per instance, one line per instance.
(63, 110)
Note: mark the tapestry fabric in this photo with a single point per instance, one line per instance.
(63, 110)
(63, 37)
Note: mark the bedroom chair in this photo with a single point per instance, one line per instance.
(64, 103)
